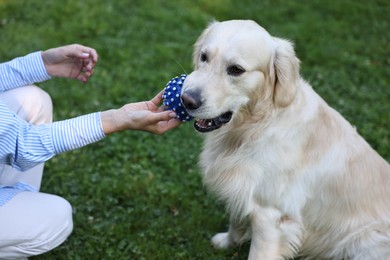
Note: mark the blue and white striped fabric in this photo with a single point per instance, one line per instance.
(23, 145)
(23, 71)
(77, 132)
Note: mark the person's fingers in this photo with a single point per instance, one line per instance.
(85, 75)
(162, 108)
(82, 52)
(93, 54)
(86, 72)
(83, 78)
(89, 53)
(164, 126)
(91, 72)
(88, 65)
(158, 98)
(172, 124)
(162, 116)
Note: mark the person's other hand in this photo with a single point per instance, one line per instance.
(71, 61)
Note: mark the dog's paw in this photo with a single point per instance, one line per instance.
(221, 240)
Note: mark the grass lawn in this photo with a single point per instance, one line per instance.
(140, 196)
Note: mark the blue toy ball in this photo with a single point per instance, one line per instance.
(172, 100)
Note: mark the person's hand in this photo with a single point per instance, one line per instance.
(145, 116)
(71, 61)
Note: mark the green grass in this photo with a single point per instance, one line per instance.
(140, 196)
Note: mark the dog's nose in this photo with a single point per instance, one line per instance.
(191, 100)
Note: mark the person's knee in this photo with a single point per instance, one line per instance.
(38, 106)
(47, 225)
(30, 103)
(56, 229)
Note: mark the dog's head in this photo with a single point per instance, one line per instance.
(237, 66)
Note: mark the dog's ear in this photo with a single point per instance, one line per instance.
(199, 43)
(284, 72)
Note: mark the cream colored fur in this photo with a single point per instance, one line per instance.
(297, 178)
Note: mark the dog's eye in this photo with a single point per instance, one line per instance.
(203, 57)
(235, 70)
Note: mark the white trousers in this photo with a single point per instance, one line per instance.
(31, 223)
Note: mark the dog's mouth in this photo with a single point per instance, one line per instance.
(208, 125)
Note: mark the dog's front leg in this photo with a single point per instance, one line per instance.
(274, 235)
(238, 233)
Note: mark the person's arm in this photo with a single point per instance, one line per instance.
(71, 61)
(23, 145)
(22, 71)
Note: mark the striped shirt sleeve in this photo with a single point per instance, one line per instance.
(23, 71)
(24, 146)
(74, 133)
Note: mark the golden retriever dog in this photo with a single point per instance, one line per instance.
(297, 178)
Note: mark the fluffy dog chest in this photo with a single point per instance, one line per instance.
(245, 178)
